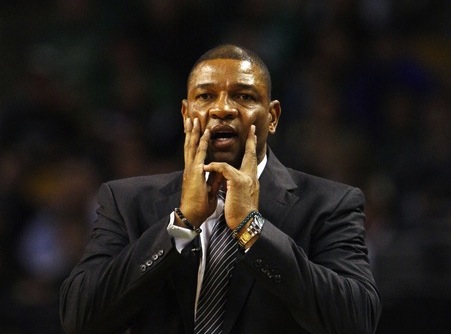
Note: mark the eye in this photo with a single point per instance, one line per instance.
(204, 97)
(245, 97)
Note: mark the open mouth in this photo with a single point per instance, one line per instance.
(223, 131)
(223, 136)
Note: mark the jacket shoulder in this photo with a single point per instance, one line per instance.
(161, 182)
(322, 183)
(305, 185)
(141, 190)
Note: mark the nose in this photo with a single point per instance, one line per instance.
(223, 108)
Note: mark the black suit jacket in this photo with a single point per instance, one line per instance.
(307, 273)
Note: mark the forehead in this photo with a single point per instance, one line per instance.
(227, 71)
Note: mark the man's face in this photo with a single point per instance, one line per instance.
(228, 96)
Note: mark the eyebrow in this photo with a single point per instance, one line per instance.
(235, 86)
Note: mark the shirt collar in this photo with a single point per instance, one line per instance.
(261, 166)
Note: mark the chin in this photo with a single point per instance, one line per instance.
(227, 157)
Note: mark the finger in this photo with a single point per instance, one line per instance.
(225, 170)
(192, 140)
(202, 147)
(187, 127)
(249, 163)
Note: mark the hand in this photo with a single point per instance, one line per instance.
(199, 199)
(242, 185)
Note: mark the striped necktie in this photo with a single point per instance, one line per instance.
(221, 258)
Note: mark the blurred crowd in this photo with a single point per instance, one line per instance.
(90, 91)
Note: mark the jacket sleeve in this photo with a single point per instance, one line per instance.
(327, 285)
(107, 287)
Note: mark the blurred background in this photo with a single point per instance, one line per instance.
(90, 91)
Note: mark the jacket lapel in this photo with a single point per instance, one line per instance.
(277, 192)
(276, 201)
(170, 197)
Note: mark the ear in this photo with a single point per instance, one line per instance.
(184, 109)
(274, 112)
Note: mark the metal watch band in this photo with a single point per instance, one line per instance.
(252, 230)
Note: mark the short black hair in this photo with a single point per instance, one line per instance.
(231, 51)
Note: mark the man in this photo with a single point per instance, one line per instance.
(301, 263)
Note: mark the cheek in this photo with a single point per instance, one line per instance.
(262, 129)
(194, 110)
(253, 117)
(198, 113)
(261, 121)
(261, 137)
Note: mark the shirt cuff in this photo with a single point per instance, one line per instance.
(182, 236)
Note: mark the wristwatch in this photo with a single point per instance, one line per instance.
(255, 228)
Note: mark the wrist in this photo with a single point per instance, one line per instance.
(249, 230)
(244, 224)
(182, 221)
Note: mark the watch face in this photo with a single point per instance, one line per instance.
(246, 237)
(259, 221)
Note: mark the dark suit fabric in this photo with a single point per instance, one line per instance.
(307, 273)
